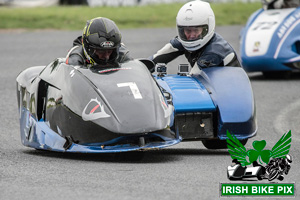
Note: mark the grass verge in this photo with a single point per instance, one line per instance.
(74, 17)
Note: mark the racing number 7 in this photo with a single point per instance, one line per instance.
(133, 87)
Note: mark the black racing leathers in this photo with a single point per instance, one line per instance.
(217, 52)
(76, 55)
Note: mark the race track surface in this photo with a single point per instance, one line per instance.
(184, 171)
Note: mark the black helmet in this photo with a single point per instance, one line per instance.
(101, 34)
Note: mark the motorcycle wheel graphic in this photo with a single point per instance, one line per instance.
(273, 174)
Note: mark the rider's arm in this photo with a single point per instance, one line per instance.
(168, 53)
(210, 60)
(218, 52)
(75, 56)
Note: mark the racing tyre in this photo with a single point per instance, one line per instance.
(280, 178)
(277, 74)
(273, 174)
(219, 144)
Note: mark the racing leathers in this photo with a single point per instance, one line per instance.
(76, 54)
(217, 52)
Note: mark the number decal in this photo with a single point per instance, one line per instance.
(133, 87)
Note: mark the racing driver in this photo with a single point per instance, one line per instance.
(280, 4)
(100, 44)
(197, 39)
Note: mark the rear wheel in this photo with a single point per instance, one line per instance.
(277, 74)
(219, 144)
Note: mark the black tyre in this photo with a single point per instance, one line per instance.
(273, 174)
(277, 74)
(280, 178)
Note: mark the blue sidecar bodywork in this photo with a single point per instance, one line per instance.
(210, 103)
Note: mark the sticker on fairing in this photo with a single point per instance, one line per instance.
(107, 44)
(72, 72)
(113, 69)
(133, 87)
(261, 31)
(94, 110)
(168, 109)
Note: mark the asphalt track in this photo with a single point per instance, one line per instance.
(184, 171)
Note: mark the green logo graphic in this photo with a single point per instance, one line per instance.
(239, 152)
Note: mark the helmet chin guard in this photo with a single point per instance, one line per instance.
(195, 14)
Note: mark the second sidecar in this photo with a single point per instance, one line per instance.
(270, 42)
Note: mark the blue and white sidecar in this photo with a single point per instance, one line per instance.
(270, 42)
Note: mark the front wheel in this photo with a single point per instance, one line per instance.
(273, 174)
(219, 144)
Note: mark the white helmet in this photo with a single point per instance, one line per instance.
(197, 14)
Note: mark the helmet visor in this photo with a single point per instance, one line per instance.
(267, 2)
(192, 33)
(103, 54)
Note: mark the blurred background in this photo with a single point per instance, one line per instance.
(32, 3)
(72, 15)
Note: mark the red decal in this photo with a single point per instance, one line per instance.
(95, 108)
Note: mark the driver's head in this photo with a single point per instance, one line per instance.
(195, 24)
(101, 40)
(103, 54)
(192, 32)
